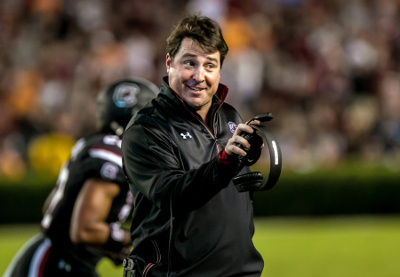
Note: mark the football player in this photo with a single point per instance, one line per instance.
(84, 212)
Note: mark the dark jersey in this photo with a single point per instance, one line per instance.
(96, 156)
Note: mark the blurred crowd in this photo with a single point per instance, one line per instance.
(327, 70)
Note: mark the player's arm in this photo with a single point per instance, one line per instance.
(92, 206)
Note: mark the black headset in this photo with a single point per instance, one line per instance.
(255, 181)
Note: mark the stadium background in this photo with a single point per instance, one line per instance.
(327, 70)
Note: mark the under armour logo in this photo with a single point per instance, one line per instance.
(185, 136)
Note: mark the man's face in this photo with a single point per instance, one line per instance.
(194, 75)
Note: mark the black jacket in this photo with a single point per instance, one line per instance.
(188, 216)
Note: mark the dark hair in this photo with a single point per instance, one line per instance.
(201, 29)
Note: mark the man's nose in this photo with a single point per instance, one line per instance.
(199, 74)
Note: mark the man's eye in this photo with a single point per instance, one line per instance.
(190, 63)
(210, 66)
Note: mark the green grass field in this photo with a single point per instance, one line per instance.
(291, 247)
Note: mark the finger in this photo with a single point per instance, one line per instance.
(233, 149)
(253, 122)
(238, 140)
(234, 143)
(243, 128)
(242, 141)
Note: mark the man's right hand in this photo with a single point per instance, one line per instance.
(233, 145)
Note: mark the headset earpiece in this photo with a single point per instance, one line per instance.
(248, 181)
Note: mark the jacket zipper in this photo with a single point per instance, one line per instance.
(213, 123)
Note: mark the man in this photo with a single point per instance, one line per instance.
(84, 212)
(180, 153)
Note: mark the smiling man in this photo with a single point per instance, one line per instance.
(180, 153)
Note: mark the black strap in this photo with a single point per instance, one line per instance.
(275, 155)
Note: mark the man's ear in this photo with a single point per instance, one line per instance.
(168, 61)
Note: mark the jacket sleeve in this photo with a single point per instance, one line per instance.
(152, 165)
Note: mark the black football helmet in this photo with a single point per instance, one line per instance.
(120, 100)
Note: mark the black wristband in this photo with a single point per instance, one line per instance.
(115, 238)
